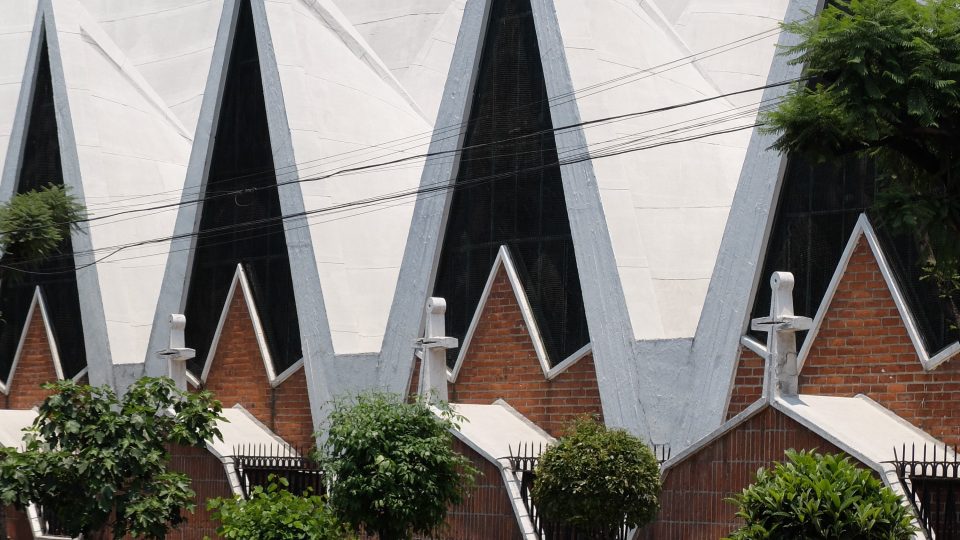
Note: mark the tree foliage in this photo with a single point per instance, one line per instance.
(94, 461)
(34, 224)
(276, 514)
(812, 496)
(596, 479)
(394, 468)
(884, 87)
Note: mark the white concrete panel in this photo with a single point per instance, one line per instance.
(12, 424)
(326, 72)
(169, 41)
(665, 206)
(16, 24)
(129, 144)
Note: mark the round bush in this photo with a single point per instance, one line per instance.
(596, 479)
(813, 496)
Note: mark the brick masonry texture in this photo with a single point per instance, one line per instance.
(863, 347)
(693, 503)
(34, 368)
(209, 480)
(748, 382)
(502, 364)
(238, 375)
(14, 523)
(486, 513)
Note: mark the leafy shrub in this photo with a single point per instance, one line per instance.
(820, 496)
(94, 461)
(596, 479)
(394, 468)
(276, 514)
(36, 222)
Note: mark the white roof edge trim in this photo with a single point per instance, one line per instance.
(865, 229)
(505, 261)
(36, 527)
(759, 348)
(751, 411)
(192, 379)
(80, 374)
(240, 277)
(37, 302)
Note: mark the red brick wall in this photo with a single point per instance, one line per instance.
(693, 503)
(34, 368)
(748, 383)
(238, 375)
(209, 480)
(486, 513)
(502, 364)
(15, 524)
(863, 347)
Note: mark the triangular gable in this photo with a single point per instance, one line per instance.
(37, 308)
(864, 230)
(240, 281)
(504, 263)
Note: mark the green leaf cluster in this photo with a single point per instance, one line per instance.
(813, 496)
(34, 224)
(596, 479)
(393, 465)
(884, 87)
(94, 461)
(276, 514)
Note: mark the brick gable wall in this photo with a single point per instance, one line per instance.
(208, 479)
(486, 512)
(238, 375)
(863, 347)
(34, 368)
(502, 363)
(748, 382)
(693, 503)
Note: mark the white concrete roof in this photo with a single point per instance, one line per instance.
(859, 426)
(492, 430)
(130, 150)
(665, 211)
(16, 26)
(169, 43)
(342, 105)
(241, 429)
(12, 423)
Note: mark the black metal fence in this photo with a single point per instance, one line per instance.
(931, 480)
(255, 463)
(523, 464)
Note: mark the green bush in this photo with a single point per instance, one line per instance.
(814, 496)
(394, 468)
(276, 514)
(596, 479)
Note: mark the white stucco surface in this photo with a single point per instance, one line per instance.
(12, 423)
(131, 151)
(170, 42)
(665, 207)
(494, 429)
(16, 26)
(341, 108)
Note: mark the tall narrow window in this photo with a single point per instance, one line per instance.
(40, 166)
(238, 227)
(509, 192)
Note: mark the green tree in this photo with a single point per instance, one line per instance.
(884, 87)
(276, 514)
(813, 496)
(33, 225)
(596, 480)
(393, 465)
(94, 461)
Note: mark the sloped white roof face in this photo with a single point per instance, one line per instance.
(123, 148)
(341, 106)
(16, 26)
(665, 208)
(493, 430)
(239, 429)
(169, 43)
(415, 39)
(12, 424)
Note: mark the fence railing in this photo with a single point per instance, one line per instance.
(254, 464)
(931, 480)
(523, 464)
